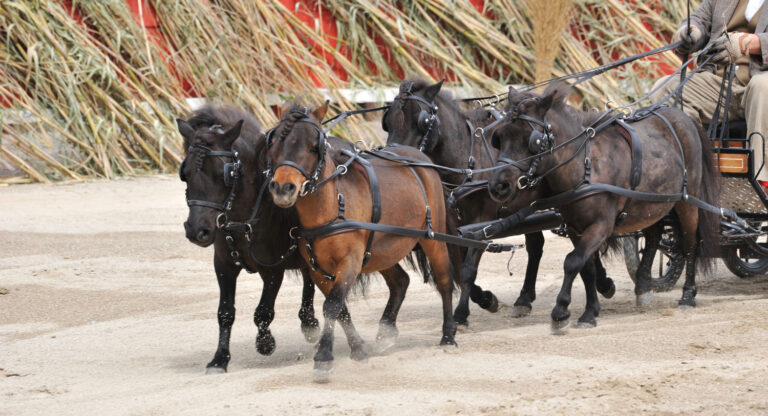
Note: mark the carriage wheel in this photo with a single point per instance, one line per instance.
(746, 261)
(668, 263)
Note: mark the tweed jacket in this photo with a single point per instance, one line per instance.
(713, 16)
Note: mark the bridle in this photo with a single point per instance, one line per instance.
(427, 119)
(540, 143)
(231, 174)
(312, 180)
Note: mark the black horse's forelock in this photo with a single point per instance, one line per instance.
(289, 119)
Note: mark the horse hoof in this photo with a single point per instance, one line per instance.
(610, 292)
(215, 370)
(383, 344)
(359, 353)
(685, 304)
(494, 307)
(322, 371)
(559, 327)
(520, 311)
(644, 299)
(265, 343)
(311, 333)
(586, 324)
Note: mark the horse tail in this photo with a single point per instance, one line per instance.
(708, 230)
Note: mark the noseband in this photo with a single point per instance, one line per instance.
(232, 173)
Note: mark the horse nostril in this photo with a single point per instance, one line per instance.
(289, 188)
(202, 236)
(274, 186)
(501, 188)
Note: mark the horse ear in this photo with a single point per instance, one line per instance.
(283, 110)
(555, 95)
(318, 114)
(186, 130)
(431, 91)
(232, 134)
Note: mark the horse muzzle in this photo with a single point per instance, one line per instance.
(284, 195)
(201, 236)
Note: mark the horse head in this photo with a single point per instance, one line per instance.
(412, 118)
(297, 148)
(524, 140)
(211, 170)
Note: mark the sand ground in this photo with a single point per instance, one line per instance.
(105, 308)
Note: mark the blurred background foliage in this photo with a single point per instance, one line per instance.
(91, 91)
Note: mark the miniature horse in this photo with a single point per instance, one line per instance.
(324, 194)
(547, 141)
(222, 142)
(423, 116)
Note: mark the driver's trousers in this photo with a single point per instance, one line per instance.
(750, 103)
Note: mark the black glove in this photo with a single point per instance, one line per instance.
(691, 42)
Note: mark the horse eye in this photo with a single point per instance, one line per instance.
(315, 149)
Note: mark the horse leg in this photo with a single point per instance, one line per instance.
(469, 290)
(588, 243)
(534, 246)
(437, 254)
(689, 220)
(397, 281)
(592, 309)
(356, 343)
(226, 276)
(461, 313)
(483, 298)
(265, 312)
(310, 327)
(334, 309)
(643, 286)
(605, 285)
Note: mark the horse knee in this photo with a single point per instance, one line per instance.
(573, 264)
(534, 243)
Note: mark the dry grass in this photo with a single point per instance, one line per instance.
(104, 108)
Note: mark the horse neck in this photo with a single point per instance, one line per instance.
(570, 175)
(321, 206)
(249, 186)
(453, 145)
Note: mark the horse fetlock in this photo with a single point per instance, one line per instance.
(265, 342)
(359, 351)
(263, 316)
(606, 288)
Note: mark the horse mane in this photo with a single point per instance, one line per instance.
(559, 91)
(227, 116)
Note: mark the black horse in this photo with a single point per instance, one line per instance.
(423, 116)
(223, 170)
(547, 142)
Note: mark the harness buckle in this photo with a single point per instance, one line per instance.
(304, 191)
(485, 232)
(221, 220)
(523, 182)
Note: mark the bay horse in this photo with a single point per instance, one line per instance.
(371, 189)
(428, 118)
(546, 141)
(222, 169)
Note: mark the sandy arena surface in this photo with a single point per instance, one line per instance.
(105, 308)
